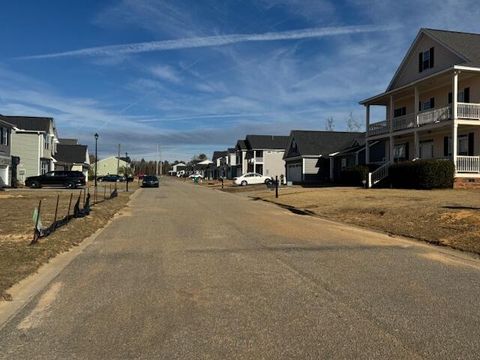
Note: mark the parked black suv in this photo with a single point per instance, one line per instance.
(68, 179)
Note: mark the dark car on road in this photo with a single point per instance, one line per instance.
(111, 178)
(150, 181)
(67, 179)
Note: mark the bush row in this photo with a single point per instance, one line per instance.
(422, 174)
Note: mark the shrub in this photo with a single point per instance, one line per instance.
(422, 174)
(354, 175)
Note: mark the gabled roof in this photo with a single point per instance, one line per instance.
(464, 45)
(266, 141)
(71, 154)
(317, 143)
(241, 145)
(219, 154)
(29, 123)
(4, 123)
(68, 141)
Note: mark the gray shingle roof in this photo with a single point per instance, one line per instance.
(71, 154)
(266, 141)
(322, 142)
(68, 141)
(219, 154)
(30, 123)
(241, 145)
(465, 44)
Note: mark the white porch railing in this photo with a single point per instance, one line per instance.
(378, 175)
(378, 128)
(434, 115)
(404, 122)
(468, 164)
(468, 111)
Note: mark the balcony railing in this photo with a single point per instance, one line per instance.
(468, 111)
(434, 115)
(468, 164)
(404, 122)
(378, 128)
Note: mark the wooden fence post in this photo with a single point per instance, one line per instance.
(36, 233)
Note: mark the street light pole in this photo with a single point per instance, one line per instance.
(96, 158)
(126, 170)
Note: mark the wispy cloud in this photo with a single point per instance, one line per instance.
(211, 41)
(165, 72)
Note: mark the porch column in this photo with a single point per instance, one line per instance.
(390, 114)
(415, 105)
(390, 150)
(416, 144)
(454, 95)
(332, 162)
(455, 144)
(367, 120)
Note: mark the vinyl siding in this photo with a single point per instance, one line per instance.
(27, 147)
(443, 60)
(273, 163)
(109, 166)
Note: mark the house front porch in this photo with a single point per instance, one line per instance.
(436, 143)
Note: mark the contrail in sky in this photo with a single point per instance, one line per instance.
(210, 41)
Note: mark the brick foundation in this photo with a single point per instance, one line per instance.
(466, 183)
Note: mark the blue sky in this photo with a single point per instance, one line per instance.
(195, 76)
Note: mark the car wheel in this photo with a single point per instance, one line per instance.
(70, 185)
(35, 185)
(244, 183)
(268, 181)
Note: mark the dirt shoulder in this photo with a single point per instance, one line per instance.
(443, 217)
(17, 258)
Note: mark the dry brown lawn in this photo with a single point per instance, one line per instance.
(444, 217)
(17, 258)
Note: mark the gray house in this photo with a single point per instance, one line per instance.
(307, 155)
(5, 153)
(34, 141)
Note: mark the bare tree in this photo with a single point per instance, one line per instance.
(329, 124)
(352, 123)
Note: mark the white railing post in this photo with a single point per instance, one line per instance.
(369, 180)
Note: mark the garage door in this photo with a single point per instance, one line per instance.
(294, 172)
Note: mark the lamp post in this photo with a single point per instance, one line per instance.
(96, 158)
(126, 171)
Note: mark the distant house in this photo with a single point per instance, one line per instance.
(262, 154)
(307, 155)
(265, 154)
(111, 165)
(241, 157)
(34, 141)
(5, 153)
(72, 156)
(231, 162)
(178, 169)
(354, 155)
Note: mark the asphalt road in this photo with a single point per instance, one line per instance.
(191, 273)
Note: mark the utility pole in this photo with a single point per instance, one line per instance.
(156, 163)
(118, 160)
(160, 159)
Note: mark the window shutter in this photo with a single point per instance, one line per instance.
(445, 146)
(407, 156)
(432, 103)
(470, 144)
(466, 95)
(450, 97)
(431, 57)
(420, 62)
(419, 106)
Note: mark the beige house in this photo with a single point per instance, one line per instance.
(432, 105)
(111, 165)
(34, 141)
(72, 156)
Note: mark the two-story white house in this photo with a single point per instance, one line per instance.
(5, 153)
(34, 141)
(432, 104)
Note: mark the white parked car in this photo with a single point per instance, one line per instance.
(252, 178)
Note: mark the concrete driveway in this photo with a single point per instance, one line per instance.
(191, 273)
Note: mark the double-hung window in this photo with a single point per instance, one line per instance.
(425, 60)
(4, 133)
